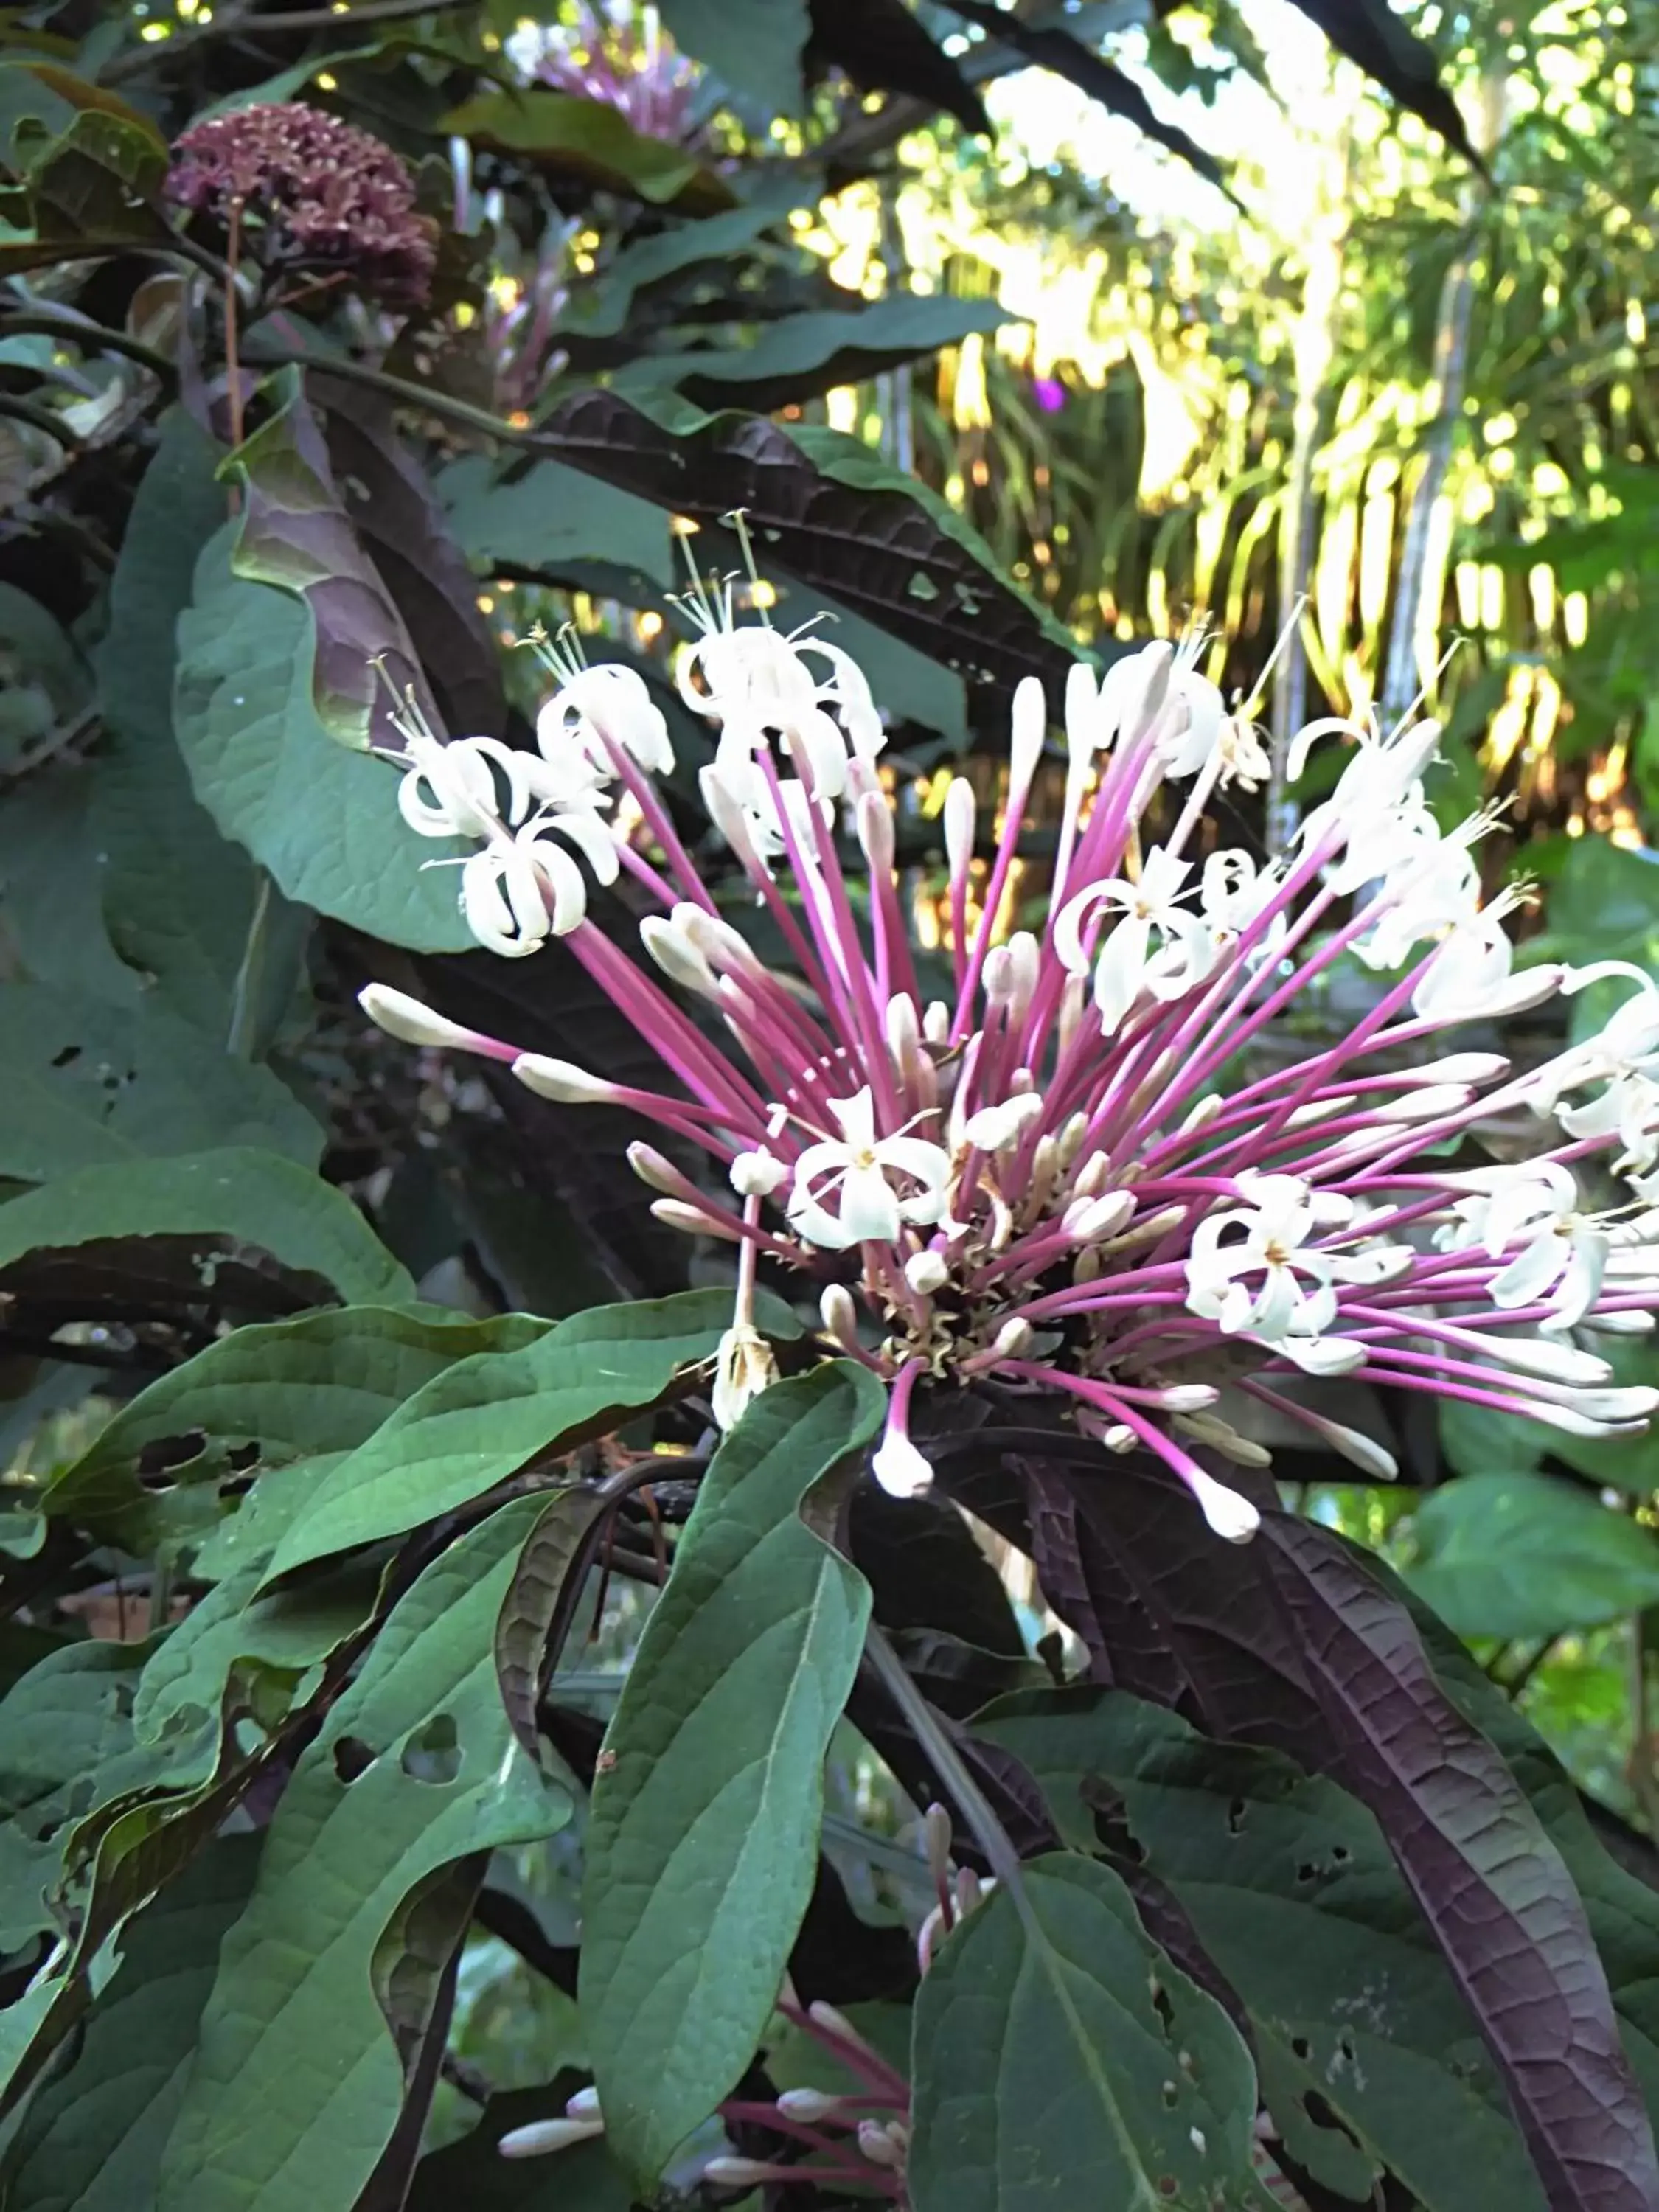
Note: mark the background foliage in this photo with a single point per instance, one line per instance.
(352, 1421)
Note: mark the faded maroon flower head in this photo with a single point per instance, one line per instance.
(312, 193)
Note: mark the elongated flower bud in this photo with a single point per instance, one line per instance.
(410, 1022)
(561, 1081)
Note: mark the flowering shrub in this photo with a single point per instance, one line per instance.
(1060, 1179)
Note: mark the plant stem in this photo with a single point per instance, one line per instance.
(239, 1044)
(90, 336)
(241, 23)
(232, 365)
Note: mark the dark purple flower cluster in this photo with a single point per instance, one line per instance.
(312, 193)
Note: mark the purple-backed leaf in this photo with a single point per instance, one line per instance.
(1490, 1884)
(296, 535)
(388, 498)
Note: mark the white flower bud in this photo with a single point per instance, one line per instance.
(584, 2105)
(656, 1170)
(1013, 1338)
(875, 832)
(1028, 725)
(757, 1175)
(677, 957)
(1227, 1513)
(1187, 1397)
(807, 2105)
(840, 1316)
(995, 1129)
(1086, 1220)
(959, 817)
(936, 1022)
(739, 2173)
(744, 1368)
(926, 1273)
(561, 1081)
(677, 1215)
(877, 2145)
(410, 1022)
(1120, 1438)
(900, 1468)
(541, 2136)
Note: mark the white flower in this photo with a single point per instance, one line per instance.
(518, 890)
(1535, 1205)
(1127, 963)
(1264, 1280)
(1380, 780)
(451, 790)
(861, 1167)
(606, 702)
(1470, 978)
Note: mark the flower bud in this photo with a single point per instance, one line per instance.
(410, 1022)
(926, 1273)
(900, 1468)
(1028, 725)
(677, 957)
(1086, 1220)
(808, 2105)
(541, 2136)
(875, 832)
(840, 1316)
(874, 2142)
(561, 1081)
(744, 1368)
(959, 817)
(757, 1175)
(1227, 1513)
(691, 1218)
(656, 1170)
(1013, 1338)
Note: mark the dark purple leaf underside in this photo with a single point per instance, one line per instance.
(1490, 1883)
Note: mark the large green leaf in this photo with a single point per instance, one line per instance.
(88, 1083)
(297, 2083)
(487, 1417)
(91, 2140)
(52, 918)
(1291, 1891)
(571, 136)
(600, 308)
(268, 1395)
(799, 356)
(754, 45)
(702, 1839)
(1520, 1555)
(178, 898)
(1060, 2058)
(322, 819)
(219, 1206)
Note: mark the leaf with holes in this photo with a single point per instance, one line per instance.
(88, 1083)
(487, 1417)
(322, 819)
(295, 535)
(217, 1211)
(1369, 2059)
(91, 2140)
(298, 2084)
(1059, 2057)
(543, 1593)
(265, 1397)
(703, 1835)
(833, 513)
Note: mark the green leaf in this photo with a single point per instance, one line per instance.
(703, 1834)
(799, 356)
(568, 136)
(269, 1395)
(487, 1417)
(217, 1202)
(295, 534)
(1060, 2057)
(1291, 1891)
(51, 910)
(66, 1743)
(90, 1083)
(178, 898)
(298, 2084)
(323, 819)
(602, 306)
(1521, 1555)
(754, 45)
(92, 2139)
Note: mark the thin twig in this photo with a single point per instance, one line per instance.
(40, 418)
(237, 24)
(90, 336)
(947, 1762)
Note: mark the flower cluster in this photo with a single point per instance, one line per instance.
(308, 193)
(611, 54)
(1069, 1174)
